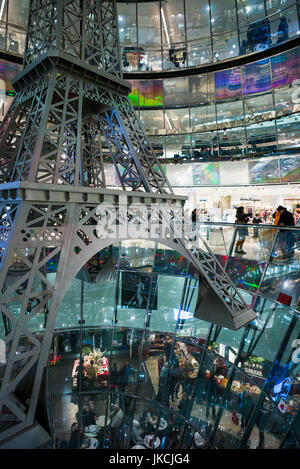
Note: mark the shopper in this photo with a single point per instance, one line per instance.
(125, 375)
(262, 420)
(162, 381)
(276, 217)
(163, 374)
(87, 417)
(211, 395)
(77, 440)
(175, 377)
(184, 405)
(116, 422)
(91, 375)
(136, 433)
(283, 30)
(243, 48)
(114, 381)
(256, 221)
(168, 348)
(286, 217)
(150, 423)
(241, 218)
(244, 407)
(80, 377)
(160, 364)
(200, 387)
(194, 217)
(286, 237)
(175, 398)
(297, 217)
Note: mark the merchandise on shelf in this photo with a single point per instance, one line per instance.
(99, 361)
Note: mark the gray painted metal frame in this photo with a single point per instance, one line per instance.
(71, 102)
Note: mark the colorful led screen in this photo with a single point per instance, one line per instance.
(134, 94)
(290, 169)
(206, 174)
(264, 171)
(285, 67)
(228, 83)
(147, 93)
(256, 77)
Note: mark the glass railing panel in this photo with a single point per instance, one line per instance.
(169, 295)
(264, 338)
(296, 427)
(174, 56)
(248, 257)
(80, 421)
(288, 127)
(239, 404)
(137, 254)
(209, 387)
(150, 58)
(65, 373)
(219, 239)
(225, 342)
(270, 427)
(285, 26)
(64, 414)
(225, 45)
(280, 281)
(199, 52)
(286, 376)
(3, 37)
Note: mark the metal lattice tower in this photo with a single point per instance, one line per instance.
(70, 111)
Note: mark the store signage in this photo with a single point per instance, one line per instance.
(282, 406)
(2, 351)
(250, 199)
(253, 368)
(180, 315)
(199, 340)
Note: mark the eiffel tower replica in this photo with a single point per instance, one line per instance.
(71, 110)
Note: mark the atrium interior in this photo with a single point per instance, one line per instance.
(149, 224)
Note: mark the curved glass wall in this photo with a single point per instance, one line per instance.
(235, 113)
(130, 310)
(179, 33)
(225, 386)
(245, 111)
(186, 33)
(144, 311)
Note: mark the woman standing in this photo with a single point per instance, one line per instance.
(241, 218)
